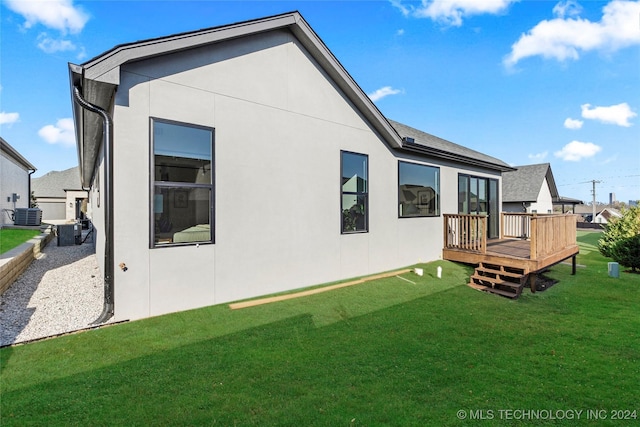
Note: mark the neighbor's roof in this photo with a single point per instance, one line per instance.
(524, 183)
(11, 152)
(54, 183)
(99, 77)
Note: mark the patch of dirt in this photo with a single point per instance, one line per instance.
(543, 282)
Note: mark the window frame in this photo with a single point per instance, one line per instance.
(153, 184)
(437, 191)
(364, 194)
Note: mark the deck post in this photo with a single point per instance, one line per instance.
(483, 249)
(534, 238)
(573, 265)
(532, 282)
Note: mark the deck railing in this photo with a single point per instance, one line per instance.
(547, 233)
(551, 233)
(465, 232)
(515, 225)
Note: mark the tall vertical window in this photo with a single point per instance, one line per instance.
(355, 190)
(418, 190)
(182, 181)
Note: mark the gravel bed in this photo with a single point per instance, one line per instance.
(61, 291)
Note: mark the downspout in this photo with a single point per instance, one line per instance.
(107, 146)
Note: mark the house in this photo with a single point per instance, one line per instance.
(529, 188)
(603, 213)
(60, 195)
(15, 182)
(606, 215)
(243, 160)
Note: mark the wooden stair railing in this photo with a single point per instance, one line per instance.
(498, 279)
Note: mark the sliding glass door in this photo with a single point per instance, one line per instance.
(479, 196)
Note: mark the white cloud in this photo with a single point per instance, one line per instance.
(565, 36)
(8, 118)
(614, 114)
(49, 45)
(567, 8)
(538, 157)
(451, 12)
(576, 151)
(61, 133)
(382, 92)
(570, 123)
(61, 15)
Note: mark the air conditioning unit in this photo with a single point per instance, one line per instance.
(69, 234)
(27, 216)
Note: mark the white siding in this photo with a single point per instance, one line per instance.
(280, 125)
(14, 178)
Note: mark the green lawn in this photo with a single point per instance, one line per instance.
(386, 352)
(13, 237)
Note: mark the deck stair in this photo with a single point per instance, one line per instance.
(499, 279)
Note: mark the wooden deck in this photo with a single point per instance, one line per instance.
(528, 244)
(510, 253)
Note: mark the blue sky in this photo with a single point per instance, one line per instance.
(524, 81)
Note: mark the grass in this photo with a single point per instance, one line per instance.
(386, 352)
(13, 237)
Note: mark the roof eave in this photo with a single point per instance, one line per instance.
(6, 147)
(88, 126)
(445, 155)
(106, 67)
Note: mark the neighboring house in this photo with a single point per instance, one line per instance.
(15, 182)
(606, 215)
(60, 195)
(244, 160)
(529, 189)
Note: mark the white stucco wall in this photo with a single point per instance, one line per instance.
(544, 204)
(14, 178)
(280, 125)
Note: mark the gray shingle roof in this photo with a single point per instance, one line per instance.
(442, 148)
(54, 183)
(524, 184)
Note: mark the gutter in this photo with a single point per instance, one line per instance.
(107, 146)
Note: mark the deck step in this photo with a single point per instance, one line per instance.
(498, 279)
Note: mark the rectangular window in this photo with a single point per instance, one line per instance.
(182, 180)
(418, 190)
(355, 191)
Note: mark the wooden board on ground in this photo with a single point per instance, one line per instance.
(268, 300)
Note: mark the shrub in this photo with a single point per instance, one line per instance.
(621, 239)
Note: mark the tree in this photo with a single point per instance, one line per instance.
(621, 239)
(34, 202)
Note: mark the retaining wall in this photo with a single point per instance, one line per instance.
(14, 262)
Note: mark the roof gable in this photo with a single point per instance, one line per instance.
(99, 77)
(524, 183)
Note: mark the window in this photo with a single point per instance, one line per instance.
(355, 190)
(182, 184)
(418, 190)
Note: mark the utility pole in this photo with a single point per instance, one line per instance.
(594, 182)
